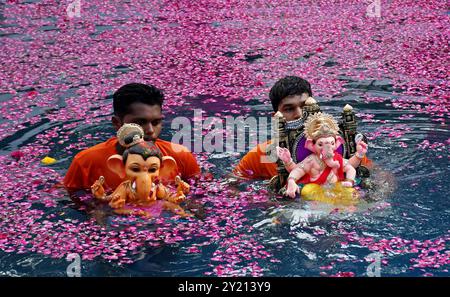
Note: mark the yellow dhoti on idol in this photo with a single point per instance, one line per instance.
(330, 193)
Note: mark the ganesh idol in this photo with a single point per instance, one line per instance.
(143, 170)
(325, 174)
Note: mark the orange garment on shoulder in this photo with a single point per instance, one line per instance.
(88, 165)
(252, 167)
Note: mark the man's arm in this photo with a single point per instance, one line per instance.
(256, 164)
(244, 168)
(188, 166)
(74, 176)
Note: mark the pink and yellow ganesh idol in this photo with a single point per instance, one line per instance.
(143, 168)
(326, 175)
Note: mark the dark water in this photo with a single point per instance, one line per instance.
(413, 202)
(416, 189)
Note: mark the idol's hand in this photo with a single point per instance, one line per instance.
(361, 148)
(347, 184)
(292, 188)
(284, 154)
(117, 201)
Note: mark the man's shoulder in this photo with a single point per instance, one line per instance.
(186, 161)
(262, 148)
(102, 149)
(171, 147)
(256, 163)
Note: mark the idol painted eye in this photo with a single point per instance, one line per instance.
(152, 170)
(135, 169)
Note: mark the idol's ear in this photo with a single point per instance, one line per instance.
(310, 145)
(339, 141)
(115, 164)
(168, 170)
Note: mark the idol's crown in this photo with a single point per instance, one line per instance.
(321, 125)
(127, 131)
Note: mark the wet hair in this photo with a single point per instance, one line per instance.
(135, 92)
(144, 149)
(288, 86)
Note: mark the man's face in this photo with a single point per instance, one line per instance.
(292, 106)
(149, 117)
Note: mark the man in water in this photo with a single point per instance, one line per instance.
(288, 96)
(132, 103)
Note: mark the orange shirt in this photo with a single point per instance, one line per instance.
(88, 165)
(252, 167)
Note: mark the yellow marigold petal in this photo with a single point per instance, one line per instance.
(48, 160)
